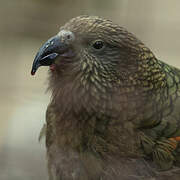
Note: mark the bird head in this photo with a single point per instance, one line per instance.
(93, 48)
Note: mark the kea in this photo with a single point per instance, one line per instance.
(114, 112)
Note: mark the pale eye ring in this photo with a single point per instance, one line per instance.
(98, 44)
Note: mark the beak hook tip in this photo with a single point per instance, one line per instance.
(32, 73)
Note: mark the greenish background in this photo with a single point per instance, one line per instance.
(24, 26)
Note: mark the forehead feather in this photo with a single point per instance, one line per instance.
(93, 25)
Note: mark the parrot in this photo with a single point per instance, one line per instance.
(114, 109)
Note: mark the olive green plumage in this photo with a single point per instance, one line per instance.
(111, 107)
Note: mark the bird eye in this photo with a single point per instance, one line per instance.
(98, 44)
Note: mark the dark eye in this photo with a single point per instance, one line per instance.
(98, 44)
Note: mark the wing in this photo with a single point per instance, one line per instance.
(162, 141)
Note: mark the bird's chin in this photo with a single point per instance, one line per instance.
(52, 67)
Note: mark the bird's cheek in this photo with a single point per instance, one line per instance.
(67, 56)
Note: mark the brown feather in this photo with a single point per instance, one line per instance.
(101, 103)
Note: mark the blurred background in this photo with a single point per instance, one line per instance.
(24, 26)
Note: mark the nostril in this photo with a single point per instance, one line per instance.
(68, 36)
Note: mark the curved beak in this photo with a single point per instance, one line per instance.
(48, 53)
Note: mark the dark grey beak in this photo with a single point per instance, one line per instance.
(48, 53)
